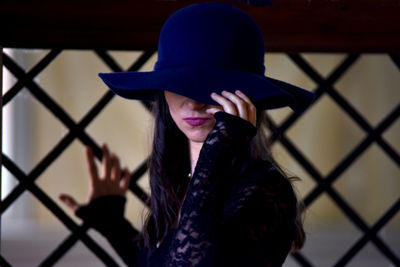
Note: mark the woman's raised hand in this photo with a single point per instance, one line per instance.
(237, 104)
(113, 180)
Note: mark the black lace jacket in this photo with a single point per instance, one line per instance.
(235, 213)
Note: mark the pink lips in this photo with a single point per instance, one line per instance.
(195, 121)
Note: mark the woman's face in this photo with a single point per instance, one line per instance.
(190, 116)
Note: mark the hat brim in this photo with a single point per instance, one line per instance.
(199, 82)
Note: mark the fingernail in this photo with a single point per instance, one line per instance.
(105, 147)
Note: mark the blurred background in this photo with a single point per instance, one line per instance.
(324, 135)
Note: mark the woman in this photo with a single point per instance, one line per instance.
(217, 197)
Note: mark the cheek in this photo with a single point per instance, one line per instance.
(175, 115)
(174, 101)
(174, 109)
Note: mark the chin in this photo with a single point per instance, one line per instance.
(198, 136)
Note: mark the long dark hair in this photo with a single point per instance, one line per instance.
(169, 166)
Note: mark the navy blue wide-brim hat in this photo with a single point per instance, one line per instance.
(210, 47)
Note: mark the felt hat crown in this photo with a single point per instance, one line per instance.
(205, 48)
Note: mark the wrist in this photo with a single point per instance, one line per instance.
(235, 126)
(102, 208)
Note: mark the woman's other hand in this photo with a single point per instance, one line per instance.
(113, 180)
(237, 104)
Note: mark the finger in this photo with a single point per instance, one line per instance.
(212, 111)
(226, 104)
(106, 162)
(126, 179)
(115, 172)
(241, 105)
(251, 106)
(69, 201)
(244, 97)
(93, 173)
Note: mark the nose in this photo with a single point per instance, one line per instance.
(193, 104)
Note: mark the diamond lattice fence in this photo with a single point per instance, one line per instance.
(373, 131)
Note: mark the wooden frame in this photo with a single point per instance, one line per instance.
(288, 26)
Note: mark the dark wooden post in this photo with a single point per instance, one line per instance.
(1, 123)
(288, 26)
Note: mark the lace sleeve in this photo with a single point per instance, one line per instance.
(106, 215)
(260, 224)
(194, 240)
